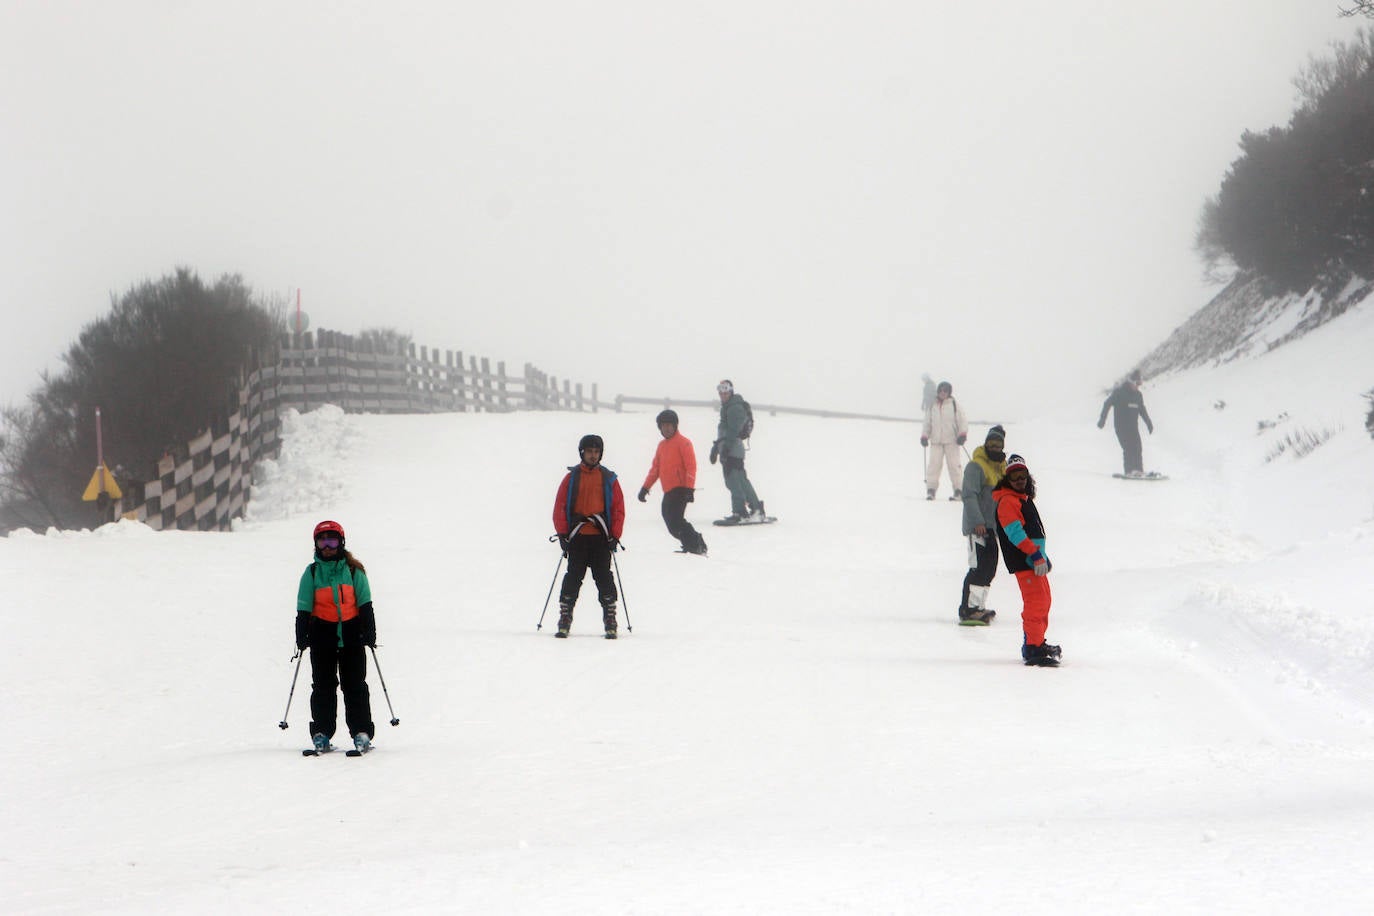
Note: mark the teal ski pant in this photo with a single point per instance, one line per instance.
(737, 481)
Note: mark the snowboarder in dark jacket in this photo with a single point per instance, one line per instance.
(335, 621)
(589, 516)
(1129, 408)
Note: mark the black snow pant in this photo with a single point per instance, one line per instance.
(982, 565)
(333, 666)
(1132, 457)
(674, 516)
(588, 551)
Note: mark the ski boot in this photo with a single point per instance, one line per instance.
(1042, 656)
(608, 618)
(975, 616)
(321, 743)
(362, 742)
(564, 621)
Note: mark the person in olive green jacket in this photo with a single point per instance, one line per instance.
(335, 621)
(731, 432)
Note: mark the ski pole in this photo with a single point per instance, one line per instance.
(561, 557)
(540, 624)
(300, 656)
(615, 546)
(377, 665)
(621, 582)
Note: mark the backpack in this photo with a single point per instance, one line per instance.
(748, 428)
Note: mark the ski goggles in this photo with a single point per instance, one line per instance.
(328, 540)
(725, 388)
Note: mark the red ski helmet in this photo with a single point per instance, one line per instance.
(327, 526)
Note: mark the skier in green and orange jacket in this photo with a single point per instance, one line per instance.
(335, 621)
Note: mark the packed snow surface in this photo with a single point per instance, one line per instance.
(795, 724)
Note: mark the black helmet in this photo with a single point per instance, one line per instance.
(591, 440)
(666, 416)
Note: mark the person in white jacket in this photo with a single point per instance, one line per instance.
(944, 431)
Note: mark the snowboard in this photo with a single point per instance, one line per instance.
(732, 522)
(1152, 475)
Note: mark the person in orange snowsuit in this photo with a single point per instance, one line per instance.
(675, 464)
(1022, 536)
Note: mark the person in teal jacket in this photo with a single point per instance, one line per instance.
(335, 621)
(730, 451)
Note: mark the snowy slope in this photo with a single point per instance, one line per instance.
(795, 725)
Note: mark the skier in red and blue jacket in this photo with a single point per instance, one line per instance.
(589, 516)
(1022, 536)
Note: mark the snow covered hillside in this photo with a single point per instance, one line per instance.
(795, 725)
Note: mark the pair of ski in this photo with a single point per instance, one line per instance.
(351, 752)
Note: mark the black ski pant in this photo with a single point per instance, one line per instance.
(333, 666)
(588, 551)
(1132, 457)
(674, 516)
(982, 566)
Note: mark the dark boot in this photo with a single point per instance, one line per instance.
(608, 618)
(564, 620)
(1043, 655)
(975, 617)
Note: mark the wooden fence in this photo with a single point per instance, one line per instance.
(333, 368)
(206, 483)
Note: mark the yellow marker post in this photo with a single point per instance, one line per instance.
(102, 481)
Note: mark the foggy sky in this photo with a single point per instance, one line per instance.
(818, 200)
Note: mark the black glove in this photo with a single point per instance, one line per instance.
(715, 451)
(367, 625)
(960, 439)
(302, 631)
(563, 543)
(643, 494)
(614, 543)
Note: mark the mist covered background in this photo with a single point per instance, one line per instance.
(818, 200)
